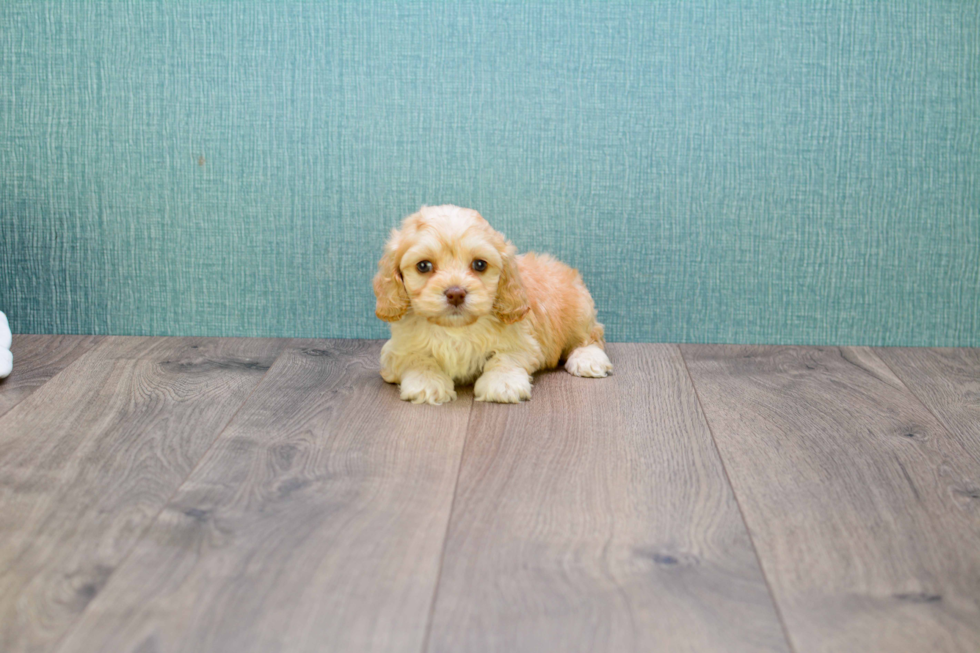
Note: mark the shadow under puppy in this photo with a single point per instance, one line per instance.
(463, 308)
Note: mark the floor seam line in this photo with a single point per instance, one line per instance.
(96, 347)
(61, 640)
(738, 504)
(445, 537)
(936, 417)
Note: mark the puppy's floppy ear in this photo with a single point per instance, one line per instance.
(510, 304)
(393, 301)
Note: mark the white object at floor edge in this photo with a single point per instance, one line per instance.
(6, 358)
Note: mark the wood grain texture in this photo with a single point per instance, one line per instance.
(862, 506)
(89, 459)
(36, 360)
(315, 523)
(947, 381)
(597, 517)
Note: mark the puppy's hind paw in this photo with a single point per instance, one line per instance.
(588, 361)
(427, 388)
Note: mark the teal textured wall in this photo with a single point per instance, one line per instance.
(723, 171)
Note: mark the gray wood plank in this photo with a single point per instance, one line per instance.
(947, 381)
(315, 523)
(89, 459)
(36, 360)
(858, 500)
(597, 517)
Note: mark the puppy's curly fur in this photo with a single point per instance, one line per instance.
(463, 308)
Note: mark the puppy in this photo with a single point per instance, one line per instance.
(464, 308)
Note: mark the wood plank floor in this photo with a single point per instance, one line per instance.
(853, 494)
(89, 459)
(597, 517)
(195, 494)
(38, 359)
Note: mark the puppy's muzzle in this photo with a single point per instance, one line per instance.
(455, 296)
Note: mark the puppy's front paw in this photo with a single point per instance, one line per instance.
(427, 388)
(503, 386)
(388, 375)
(588, 361)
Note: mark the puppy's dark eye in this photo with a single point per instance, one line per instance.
(480, 265)
(424, 266)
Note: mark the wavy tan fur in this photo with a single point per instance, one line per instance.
(388, 287)
(523, 314)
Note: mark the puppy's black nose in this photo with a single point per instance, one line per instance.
(455, 295)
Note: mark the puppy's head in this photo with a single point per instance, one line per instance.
(449, 266)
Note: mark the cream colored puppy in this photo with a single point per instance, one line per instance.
(464, 308)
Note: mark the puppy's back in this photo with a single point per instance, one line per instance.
(562, 314)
